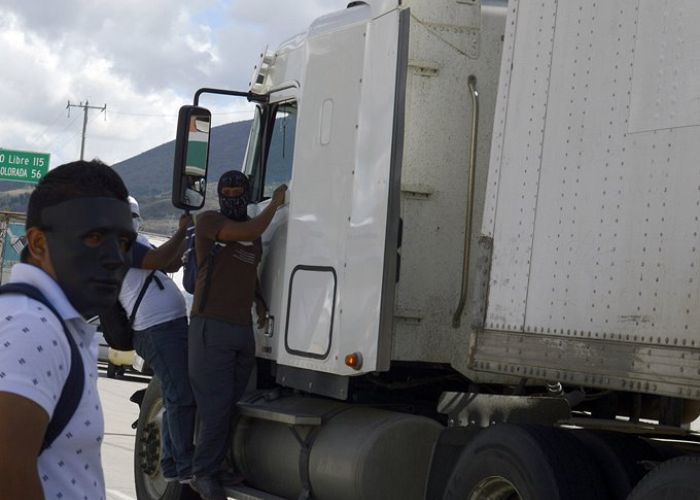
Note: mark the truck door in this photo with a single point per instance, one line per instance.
(336, 277)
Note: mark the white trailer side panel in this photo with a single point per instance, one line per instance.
(596, 185)
(522, 115)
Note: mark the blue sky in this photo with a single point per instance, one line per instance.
(143, 59)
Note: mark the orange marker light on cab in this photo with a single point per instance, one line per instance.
(354, 360)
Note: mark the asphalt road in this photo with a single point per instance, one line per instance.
(118, 444)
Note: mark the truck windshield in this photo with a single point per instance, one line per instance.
(269, 162)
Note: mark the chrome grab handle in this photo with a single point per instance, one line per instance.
(457, 318)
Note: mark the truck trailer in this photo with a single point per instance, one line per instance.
(485, 283)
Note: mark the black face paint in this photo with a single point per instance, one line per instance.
(234, 207)
(89, 243)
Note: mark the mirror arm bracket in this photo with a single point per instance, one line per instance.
(248, 95)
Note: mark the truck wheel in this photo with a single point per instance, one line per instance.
(150, 484)
(675, 479)
(620, 458)
(524, 462)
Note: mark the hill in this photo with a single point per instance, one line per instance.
(150, 173)
(148, 176)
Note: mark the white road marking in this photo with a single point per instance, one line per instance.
(118, 495)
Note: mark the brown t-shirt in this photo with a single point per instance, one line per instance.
(232, 281)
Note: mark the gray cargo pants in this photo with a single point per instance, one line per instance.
(221, 358)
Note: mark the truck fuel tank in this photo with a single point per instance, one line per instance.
(333, 450)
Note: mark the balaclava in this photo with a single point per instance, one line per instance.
(135, 213)
(234, 207)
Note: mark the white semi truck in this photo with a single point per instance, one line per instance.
(486, 281)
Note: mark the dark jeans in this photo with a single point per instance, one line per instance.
(221, 358)
(164, 347)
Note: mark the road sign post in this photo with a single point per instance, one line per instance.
(23, 166)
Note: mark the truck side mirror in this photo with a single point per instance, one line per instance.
(191, 158)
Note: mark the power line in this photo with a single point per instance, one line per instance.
(41, 135)
(166, 115)
(70, 137)
(70, 123)
(155, 115)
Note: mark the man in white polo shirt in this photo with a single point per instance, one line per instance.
(160, 338)
(79, 235)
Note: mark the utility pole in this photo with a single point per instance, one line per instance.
(85, 107)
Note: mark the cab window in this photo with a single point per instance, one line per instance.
(278, 167)
(254, 148)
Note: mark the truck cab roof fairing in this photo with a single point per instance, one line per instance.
(359, 12)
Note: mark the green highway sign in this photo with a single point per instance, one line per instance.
(23, 166)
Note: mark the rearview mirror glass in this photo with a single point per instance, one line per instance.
(191, 158)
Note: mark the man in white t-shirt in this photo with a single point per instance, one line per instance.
(160, 338)
(79, 236)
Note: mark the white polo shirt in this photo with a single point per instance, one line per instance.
(158, 305)
(34, 363)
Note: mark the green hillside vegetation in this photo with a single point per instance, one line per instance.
(15, 200)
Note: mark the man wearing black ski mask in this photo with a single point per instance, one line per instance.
(221, 343)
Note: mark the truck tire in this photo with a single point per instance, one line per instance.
(149, 481)
(525, 462)
(620, 458)
(675, 479)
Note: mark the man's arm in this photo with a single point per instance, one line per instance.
(22, 427)
(168, 256)
(260, 306)
(252, 229)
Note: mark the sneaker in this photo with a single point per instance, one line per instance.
(181, 480)
(230, 479)
(208, 488)
(169, 477)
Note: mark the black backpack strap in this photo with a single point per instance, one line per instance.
(149, 278)
(72, 391)
(158, 281)
(259, 296)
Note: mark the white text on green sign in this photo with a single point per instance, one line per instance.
(23, 166)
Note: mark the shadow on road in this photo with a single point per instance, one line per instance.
(129, 376)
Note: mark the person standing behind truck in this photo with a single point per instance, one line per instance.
(160, 338)
(79, 235)
(221, 342)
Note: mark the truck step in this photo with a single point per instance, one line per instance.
(278, 415)
(247, 493)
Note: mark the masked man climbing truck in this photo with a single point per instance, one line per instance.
(221, 342)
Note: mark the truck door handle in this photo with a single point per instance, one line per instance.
(270, 328)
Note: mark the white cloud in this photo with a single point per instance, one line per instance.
(142, 58)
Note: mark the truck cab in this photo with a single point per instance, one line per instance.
(433, 332)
